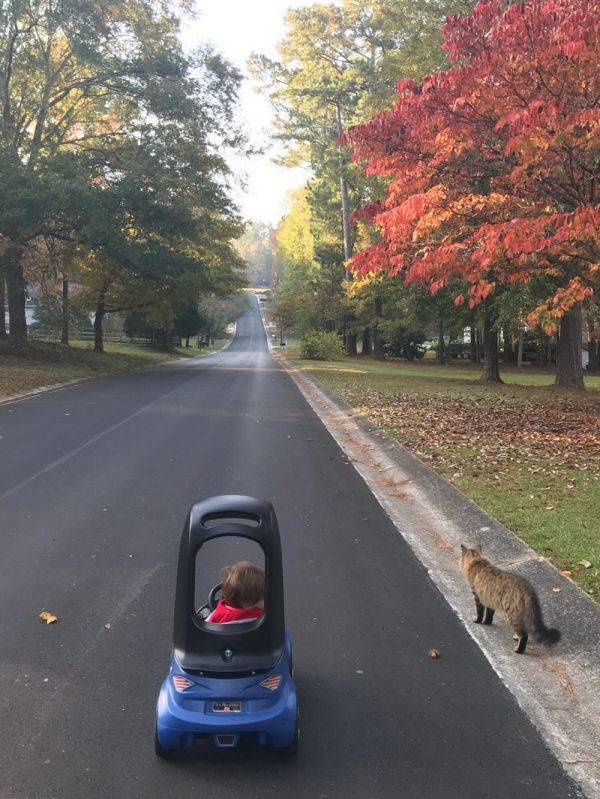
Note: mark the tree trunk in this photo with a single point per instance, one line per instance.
(64, 338)
(594, 355)
(491, 368)
(351, 340)
(541, 351)
(569, 369)
(98, 321)
(15, 285)
(508, 352)
(344, 193)
(366, 341)
(593, 345)
(520, 350)
(2, 307)
(378, 350)
(441, 353)
(449, 350)
(473, 332)
(187, 342)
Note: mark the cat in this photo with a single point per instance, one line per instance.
(512, 595)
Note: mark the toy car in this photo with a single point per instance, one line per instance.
(228, 681)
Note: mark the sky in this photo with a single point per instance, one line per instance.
(238, 28)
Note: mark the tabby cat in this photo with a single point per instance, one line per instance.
(509, 593)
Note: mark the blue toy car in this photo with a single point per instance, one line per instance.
(228, 681)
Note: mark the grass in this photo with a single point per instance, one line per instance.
(525, 452)
(38, 364)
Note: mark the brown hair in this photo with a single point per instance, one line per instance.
(243, 584)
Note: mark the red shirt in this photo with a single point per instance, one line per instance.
(225, 614)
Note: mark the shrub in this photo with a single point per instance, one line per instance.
(319, 346)
(408, 344)
(458, 349)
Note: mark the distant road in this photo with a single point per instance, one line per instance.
(95, 482)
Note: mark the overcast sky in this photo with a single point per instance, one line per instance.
(238, 28)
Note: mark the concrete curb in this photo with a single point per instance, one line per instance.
(557, 688)
(57, 386)
(47, 389)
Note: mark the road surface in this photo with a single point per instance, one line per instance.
(95, 482)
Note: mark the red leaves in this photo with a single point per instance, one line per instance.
(493, 161)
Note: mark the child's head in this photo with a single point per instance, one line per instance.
(243, 585)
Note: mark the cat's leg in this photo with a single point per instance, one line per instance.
(479, 608)
(522, 641)
(488, 616)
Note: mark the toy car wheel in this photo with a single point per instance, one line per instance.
(292, 749)
(160, 750)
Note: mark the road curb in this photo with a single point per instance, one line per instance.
(58, 386)
(558, 689)
(47, 389)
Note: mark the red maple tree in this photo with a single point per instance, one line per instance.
(493, 164)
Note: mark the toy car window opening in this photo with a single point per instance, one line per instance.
(212, 557)
(247, 647)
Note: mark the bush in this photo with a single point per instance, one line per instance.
(319, 346)
(408, 344)
(458, 349)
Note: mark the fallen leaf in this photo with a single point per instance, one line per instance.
(566, 572)
(585, 563)
(47, 618)
(107, 626)
(557, 590)
(433, 653)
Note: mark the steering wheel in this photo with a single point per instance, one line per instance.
(213, 598)
(205, 611)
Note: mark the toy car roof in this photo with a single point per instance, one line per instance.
(244, 647)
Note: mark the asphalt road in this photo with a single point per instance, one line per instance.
(95, 482)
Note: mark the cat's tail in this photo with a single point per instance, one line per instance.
(543, 634)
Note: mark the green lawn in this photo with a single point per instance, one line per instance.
(525, 452)
(41, 364)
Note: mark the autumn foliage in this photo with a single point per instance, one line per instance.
(493, 163)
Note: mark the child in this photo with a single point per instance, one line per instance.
(243, 587)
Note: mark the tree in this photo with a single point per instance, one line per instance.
(82, 84)
(492, 165)
(257, 247)
(294, 295)
(188, 323)
(158, 221)
(338, 64)
(137, 325)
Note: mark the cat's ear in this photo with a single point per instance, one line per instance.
(463, 548)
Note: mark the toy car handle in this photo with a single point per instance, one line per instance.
(212, 597)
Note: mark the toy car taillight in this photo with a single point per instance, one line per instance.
(181, 683)
(272, 682)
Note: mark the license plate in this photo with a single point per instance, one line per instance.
(227, 707)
